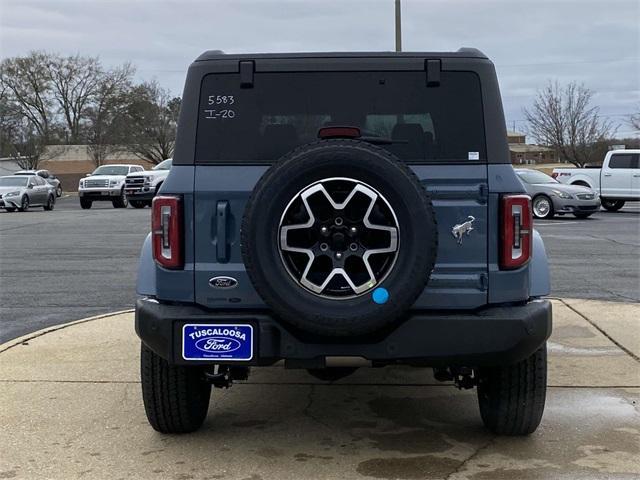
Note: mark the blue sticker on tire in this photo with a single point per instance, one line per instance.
(217, 342)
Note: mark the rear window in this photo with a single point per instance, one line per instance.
(285, 110)
(625, 160)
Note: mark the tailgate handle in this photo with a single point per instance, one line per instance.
(222, 241)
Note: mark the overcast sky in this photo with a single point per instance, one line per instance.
(594, 42)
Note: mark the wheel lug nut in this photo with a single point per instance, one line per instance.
(324, 247)
(353, 247)
(338, 221)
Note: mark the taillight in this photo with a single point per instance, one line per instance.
(166, 230)
(554, 174)
(515, 231)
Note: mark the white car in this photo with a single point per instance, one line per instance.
(617, 182)
(141, 187)
(106, 183)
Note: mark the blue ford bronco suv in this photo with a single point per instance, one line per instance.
(333, 211)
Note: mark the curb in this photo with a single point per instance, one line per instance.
(38, 333)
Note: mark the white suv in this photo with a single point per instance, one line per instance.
(141, 187)
(106, 183)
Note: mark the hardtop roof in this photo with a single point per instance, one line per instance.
(220, 55)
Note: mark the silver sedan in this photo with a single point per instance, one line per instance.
(551, 197)
(49, 177)
(20, 192)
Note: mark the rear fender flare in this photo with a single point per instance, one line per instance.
(146, 282)
(539, 277)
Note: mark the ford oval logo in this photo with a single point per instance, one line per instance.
(223, 282)
(218, 344)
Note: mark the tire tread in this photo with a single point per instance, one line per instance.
(512, 397)
(175, 398)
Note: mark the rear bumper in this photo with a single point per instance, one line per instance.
(491, 336)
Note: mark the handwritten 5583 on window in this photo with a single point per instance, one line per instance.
(221, 99)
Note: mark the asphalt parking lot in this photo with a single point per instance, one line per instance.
(70, 263)
(67, 264)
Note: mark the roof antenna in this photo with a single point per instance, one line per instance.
(398, 27)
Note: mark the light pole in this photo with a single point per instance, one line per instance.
(398, 27)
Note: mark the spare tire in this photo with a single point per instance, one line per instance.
(339, 238)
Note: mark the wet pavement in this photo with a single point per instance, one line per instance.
(71, 408)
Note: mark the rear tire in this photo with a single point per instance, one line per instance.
(50, 203)
(85, 204)
(138, 203)
(176, 398)
(612, 205)
(59, 191)
(512, 397)
(10, 209)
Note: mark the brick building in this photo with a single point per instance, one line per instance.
(527, 154)
(72, 162)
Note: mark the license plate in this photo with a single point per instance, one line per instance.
(217, 342)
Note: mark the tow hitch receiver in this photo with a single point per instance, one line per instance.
(224, 375)
(462, 377)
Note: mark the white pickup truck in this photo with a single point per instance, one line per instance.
(618, 181)
(141, 187)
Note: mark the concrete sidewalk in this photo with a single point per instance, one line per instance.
(70, 407)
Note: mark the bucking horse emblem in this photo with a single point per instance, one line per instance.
(461, 229)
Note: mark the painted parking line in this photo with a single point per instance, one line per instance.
(553, 224)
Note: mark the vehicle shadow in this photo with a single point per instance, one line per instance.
(382, 430)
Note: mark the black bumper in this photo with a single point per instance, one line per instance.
(140, 194)
(491, 336)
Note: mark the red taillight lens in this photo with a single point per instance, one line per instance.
(166, 231)
(339, 132)
(515, 231)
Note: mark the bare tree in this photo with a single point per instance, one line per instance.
(75, 82)
(29, 150)
(634, 120)
(154, 114)
(108, 130)
(28, 87)
(564, 119)
(10, 124)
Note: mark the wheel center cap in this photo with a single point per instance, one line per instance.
(338, 241)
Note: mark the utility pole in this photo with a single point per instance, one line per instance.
(398, 28)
